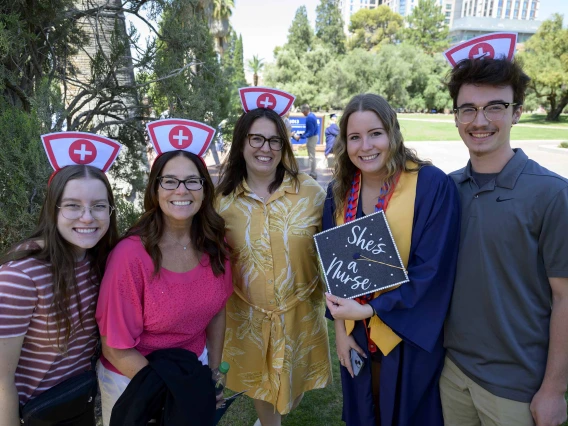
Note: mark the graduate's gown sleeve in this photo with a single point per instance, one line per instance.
(416, 310)
(328, 222)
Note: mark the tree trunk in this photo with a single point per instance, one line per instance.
(554, 113)
(255, 79)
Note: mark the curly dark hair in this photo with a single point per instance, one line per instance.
(207, 230)
(489, 72)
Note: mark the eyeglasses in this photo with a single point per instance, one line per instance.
(258, 141)
(171, 183)
(493, 112)
(73, 211)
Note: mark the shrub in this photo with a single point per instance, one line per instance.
(24, 171)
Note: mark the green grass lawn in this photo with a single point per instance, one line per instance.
(536, 119)
(418, 131)
(318, 408)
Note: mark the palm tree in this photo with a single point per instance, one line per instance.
(222, 9)
(255, 65)
(219, 13)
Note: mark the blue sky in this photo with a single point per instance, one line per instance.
(264, 23)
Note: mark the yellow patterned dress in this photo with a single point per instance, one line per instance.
(276, 339)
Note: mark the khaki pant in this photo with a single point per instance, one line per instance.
(465, 403)
(311, 145)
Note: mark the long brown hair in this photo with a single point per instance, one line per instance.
(397, 156)
(207, 230)
(234, 171)
(59, 253)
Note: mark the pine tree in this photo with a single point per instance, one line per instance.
(329, 25)
(238, 61)
(427, 28)
(300, 33)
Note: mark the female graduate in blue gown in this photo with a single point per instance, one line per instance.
(398, 385)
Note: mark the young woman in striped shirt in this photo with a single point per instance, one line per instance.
(48, 290)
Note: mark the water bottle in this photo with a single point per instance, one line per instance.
(219, 376)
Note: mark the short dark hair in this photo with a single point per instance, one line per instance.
(490, 72)
(234, 170)
(305, 107)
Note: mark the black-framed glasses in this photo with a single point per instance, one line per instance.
(493, 112)
(171, 183)
(257, 141)
(73, 211)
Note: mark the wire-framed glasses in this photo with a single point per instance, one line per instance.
(493, 112)
(171, 183)
(257, 141)
(74, 211)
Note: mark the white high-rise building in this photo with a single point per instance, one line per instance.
(477, 17)
(502, 9)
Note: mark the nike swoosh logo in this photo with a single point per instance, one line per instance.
(500, 200)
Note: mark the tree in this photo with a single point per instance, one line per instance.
(42, 76)
(329, 25)
(255, 65)
(300, 33)
(372, 28)
(24, 171)
(196, 91)
(426, 27)
(238, 61)
(545, 60)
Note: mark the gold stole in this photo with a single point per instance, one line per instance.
(400, 216)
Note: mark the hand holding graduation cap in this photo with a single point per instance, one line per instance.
(347, 309)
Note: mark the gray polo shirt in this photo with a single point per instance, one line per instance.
(514, 235)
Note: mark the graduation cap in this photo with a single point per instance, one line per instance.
(492, 46)
(360, 257)
(177, 134)
(266, 97)
(72, 148)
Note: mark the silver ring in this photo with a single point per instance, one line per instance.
(336, 299)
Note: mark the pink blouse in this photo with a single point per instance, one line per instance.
(137, 309)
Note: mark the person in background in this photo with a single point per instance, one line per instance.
(506, 334)
(311, 135)
(330, 134)
(276, 339)
(48, 292)
(168, 279)
(398, 331)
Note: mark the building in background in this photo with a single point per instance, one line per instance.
(349, 7)
(465, 18)
(472, 18)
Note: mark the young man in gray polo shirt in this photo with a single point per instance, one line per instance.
(507, 330)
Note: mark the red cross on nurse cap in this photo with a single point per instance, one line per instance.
(72, 148)
(265, 97)
(178, 134)
(493, 46)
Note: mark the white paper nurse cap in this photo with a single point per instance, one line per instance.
(177, 134)
(493, 46)
(72, 148)
(265, 97)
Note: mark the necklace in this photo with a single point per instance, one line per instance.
(178, 243)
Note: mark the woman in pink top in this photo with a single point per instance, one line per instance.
(168, 279)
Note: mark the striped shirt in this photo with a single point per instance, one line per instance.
(26, 295)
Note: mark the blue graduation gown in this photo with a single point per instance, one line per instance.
(409, 394)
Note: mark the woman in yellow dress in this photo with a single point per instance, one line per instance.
(276, 338)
